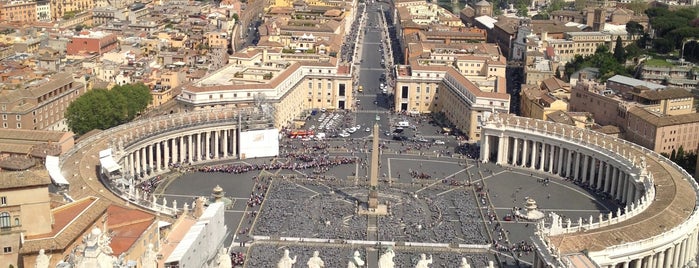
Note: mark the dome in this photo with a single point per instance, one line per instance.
(483, 3)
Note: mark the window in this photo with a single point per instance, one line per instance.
(4, 117)
(19, 117)
(330, 85)
(4, 220)
(7, 250)
(19, 125)
(3, 200)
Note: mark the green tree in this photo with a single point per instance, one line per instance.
(662, 45)
(103, 109)
(633, 51)
(235, 17)
(522, 10)
(638, 6)
(634, 28)
(673, 155)
(555, 5)
(619, 53)
(541, 16)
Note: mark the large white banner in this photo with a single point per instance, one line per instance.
(259, 143)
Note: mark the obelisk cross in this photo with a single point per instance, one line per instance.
(374, 172)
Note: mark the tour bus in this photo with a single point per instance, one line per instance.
(360, 89)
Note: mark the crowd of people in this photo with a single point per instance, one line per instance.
(237, 258)
(149, 185)
(348, 47)
(307, 162)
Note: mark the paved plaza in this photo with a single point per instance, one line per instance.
(462, 202)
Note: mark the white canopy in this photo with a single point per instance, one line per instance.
(52, 165)
(108, 162)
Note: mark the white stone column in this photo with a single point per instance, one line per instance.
(175, 150)
(559, 167)
(660, 259)
(234, 141)
(158, 156)
(586, 167)
(166, 158)
(525, 151)
(129, 164)
(542, 156)
(151, 158)
(670, 255)
(183, 150)
(569, 164)
(216, 143)
(225, 143)
(144, 163)
(515, 151)
(601, 173)
(625, 264)
(608, 178)
(190, 147)
(593, 171)
(552, 157)
(502, 150)
(637, 263)
(207, 145)
(534, 154)
(685, 250)
(615, 181)
(199, 149)
(579, 158)
(485, 145)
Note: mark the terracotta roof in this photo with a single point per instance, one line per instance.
(553, 83)
(669, 93)
(126, 226)
(26, 178)
(70, 221)
(560, 117)
(608, 129)
(664, 120)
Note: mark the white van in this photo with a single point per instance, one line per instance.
(403, 124)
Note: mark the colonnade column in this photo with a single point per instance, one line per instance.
(190, 147)
(182, 150)
(216, 143)
(166, 158)
(515, 150)
(207, 146)
(129, 164)
(144, 166)
(569, 164)
(576, 164)
(602, 167)
(151, 159)
(552, 155)
(525, 147)
(586, 162)
(175, 149)
(198, 150)
(660, 260)
(225, 143)
(615, 181)
(608, 178)
(559, 168)
(158, 156)
(485, 149)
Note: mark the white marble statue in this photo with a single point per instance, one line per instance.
(386, 259)
(286, 261)
(424, 262)
(316, 261)
(42, 260)
(149, 260)
(224, 260)
(464, 263)
(355, 260)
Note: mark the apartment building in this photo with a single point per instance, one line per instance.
(18, 11)
(40, 103)
(291, 88)
(650, 117)
(685, 75)
(91, 42)
(538, 101)
(429, 89)
(70, 7)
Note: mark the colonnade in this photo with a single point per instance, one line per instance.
(155, 156)
(595, 170)
(676, 255)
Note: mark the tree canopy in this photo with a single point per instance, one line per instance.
(103, 109)
(605, 61)
(673, 27)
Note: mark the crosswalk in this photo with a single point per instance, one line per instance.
(372, 111)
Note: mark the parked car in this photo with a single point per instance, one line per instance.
(440, 142)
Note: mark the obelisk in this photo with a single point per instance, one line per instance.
(373, 201)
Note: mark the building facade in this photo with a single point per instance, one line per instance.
(91, 42)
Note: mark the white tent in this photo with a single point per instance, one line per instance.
(107, 161)
(53, 166)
